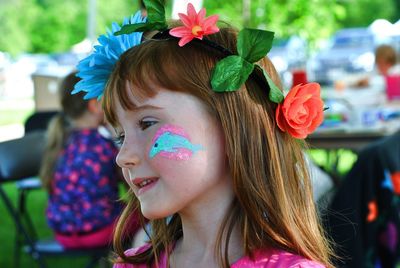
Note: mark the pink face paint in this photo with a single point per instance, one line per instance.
(172, 142)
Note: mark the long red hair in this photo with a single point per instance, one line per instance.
(273, 205)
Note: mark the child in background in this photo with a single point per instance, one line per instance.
(385, 61)
(80, 173)
(208, 146)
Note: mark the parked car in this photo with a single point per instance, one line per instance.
(349, 51)
(66, 58)
(288, 54)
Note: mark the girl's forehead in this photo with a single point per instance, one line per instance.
(139, 93)
(134, 94)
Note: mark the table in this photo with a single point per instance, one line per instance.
(353, 135)
(352, 140)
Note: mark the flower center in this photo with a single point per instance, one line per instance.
(196, 29)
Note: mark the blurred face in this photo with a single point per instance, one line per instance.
(383, 66)
(172, 154)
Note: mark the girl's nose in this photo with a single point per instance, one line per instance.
(128, 156)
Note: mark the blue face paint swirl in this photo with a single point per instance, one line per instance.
(171, 143)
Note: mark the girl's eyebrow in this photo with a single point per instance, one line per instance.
(145, 107)
(138, 109)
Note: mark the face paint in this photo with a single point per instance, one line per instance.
(173, 143)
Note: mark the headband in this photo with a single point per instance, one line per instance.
(299, 113)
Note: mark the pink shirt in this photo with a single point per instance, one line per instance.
(262, 259)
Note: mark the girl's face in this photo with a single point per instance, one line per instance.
(173, 154)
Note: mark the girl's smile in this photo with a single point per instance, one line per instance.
(144, 184)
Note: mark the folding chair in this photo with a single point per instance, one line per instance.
(38, 121)
(20, 159)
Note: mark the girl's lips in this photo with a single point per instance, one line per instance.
(144, 184)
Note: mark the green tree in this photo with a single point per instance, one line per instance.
(311, 20)
(14, 25)
(362, 13)
(60, 25)
(108, 13)
(55, 25)
(48, 26)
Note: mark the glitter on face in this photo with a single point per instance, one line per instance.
(172, 142)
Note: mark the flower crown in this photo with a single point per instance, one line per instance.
(299, 113)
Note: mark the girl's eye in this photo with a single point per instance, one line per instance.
(143, 124)
(119, 139)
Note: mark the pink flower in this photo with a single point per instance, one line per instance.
(302, 110)
(195, 25)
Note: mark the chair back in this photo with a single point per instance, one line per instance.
(21, 158)
(38, 121)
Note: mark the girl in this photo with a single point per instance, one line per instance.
(220, 175)
(80, 173)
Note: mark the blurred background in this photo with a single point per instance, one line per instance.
(43, 40)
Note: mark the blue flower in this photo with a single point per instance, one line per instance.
(95, 69)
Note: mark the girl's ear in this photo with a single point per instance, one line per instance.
(94, 106)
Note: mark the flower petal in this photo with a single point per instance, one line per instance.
(210, 22)
(180, 31)
(280, 118)
(185, 39)
(201, 16)
(292, 92)
(186, 20)
(191, 12)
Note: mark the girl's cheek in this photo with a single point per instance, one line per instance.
(173, 142)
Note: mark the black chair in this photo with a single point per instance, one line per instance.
(38, 121)
(20, 159)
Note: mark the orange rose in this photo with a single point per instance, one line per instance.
(301, 111)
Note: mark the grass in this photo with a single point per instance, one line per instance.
(15, 111)
(36, 204)
(14, 116)
(338, 162)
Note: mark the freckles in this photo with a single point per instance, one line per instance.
(172, 142)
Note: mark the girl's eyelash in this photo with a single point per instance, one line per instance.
(119, 139)
(143, 124)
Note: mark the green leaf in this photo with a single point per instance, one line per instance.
(275, 94)
(155, 19)
(230, 74)
(129, 28)
(140, 27)
(254, 44)
(155, 11)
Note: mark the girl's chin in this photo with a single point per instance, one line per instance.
(154, 215)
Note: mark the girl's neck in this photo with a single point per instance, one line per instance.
(87, 120)
(200, 232)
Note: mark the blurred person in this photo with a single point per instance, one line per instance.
(385, 60)
(363, 218)
(80, 174)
